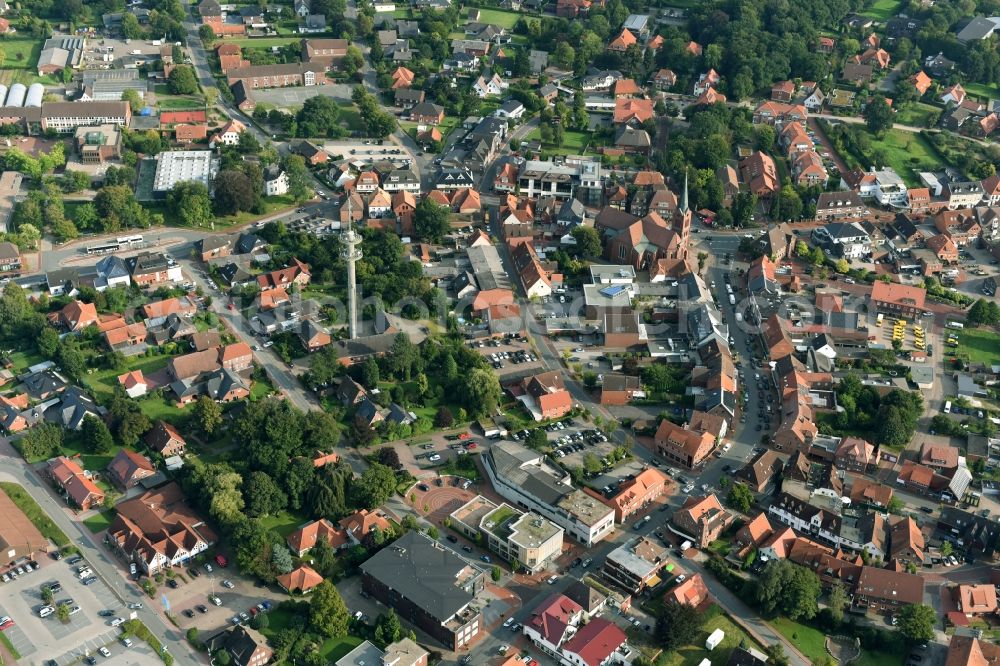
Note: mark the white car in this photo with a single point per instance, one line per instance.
(681, 578)
(208, 567)
(228, 584)
(127, 642)
(45, 611)
(104, 651)
(435, 458)
(503, 649)
(509, 621)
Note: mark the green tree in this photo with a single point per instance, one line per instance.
(134, 101)
(132, 425)
(281, 559)
(191, 201)
(96, 436)
(206, 33)
(328, 614)
(233, 192)
(388, 628)
(319, 117)
(130, 26)
(207, 415)
(431, 220)
(946, 548)
(496, 574)
(984, 312)
(916, 623)
(837, 601)
(842, 266)
(787, 588)
(298, 178)
(740, 497)
(262, 495)
(588, 242)
(62, 612)
(41, 442)
(374, 487)
(46, 595)
(182, 80)
(676, 624)
(536, 439)
(482, 392)
(878, 115)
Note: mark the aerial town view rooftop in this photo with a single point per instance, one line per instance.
(506, 333)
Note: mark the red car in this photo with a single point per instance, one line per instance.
(464, 435)
(471, 445)
(6, 623)
(221, 561)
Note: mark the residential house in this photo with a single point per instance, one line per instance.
(244, 645)
(702, 519)
(682, 446)
(74, 483)
(761, 472)
(636, 494)
(166, 440)
(157, 530)
(898, 299)
(128, 468)
(545, 396)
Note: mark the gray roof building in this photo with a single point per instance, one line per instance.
(425, 572)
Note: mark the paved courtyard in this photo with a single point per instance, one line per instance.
(291, 97)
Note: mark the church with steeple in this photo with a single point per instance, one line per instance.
(642, 241)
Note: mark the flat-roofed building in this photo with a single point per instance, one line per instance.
(636, 565)
(527, 539)
(527, 479)
(430, 586)
(181, 166)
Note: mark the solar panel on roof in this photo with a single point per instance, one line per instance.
(613, 290)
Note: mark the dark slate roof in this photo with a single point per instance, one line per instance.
(425, 572)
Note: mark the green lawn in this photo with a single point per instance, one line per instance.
(350, 118)
(283, 523)
(23, 360)
(883, 10)
(907, 154)
(20, 52)
(979, 345)
(99, 521)
(574, 143)
(180, 103)
(73, 446)
(499, 17)
(103, 383)
(39, 518)
(272, 205)
(916, 114)
(809, 641)
(982, 90)
(693, 654)
(336, 648)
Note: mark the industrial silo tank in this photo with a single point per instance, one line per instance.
(16, 95)
(34, 97)
(3, 94)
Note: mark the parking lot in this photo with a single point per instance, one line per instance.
(191, 605)
(369, 150)
(48, 638)
(509, 355)
(297, 96)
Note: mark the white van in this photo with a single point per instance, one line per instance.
(947, 407)
(955, 324)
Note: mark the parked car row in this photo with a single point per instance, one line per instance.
(20, 570)
(244, 616)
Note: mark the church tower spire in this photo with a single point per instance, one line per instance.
(684, 195)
